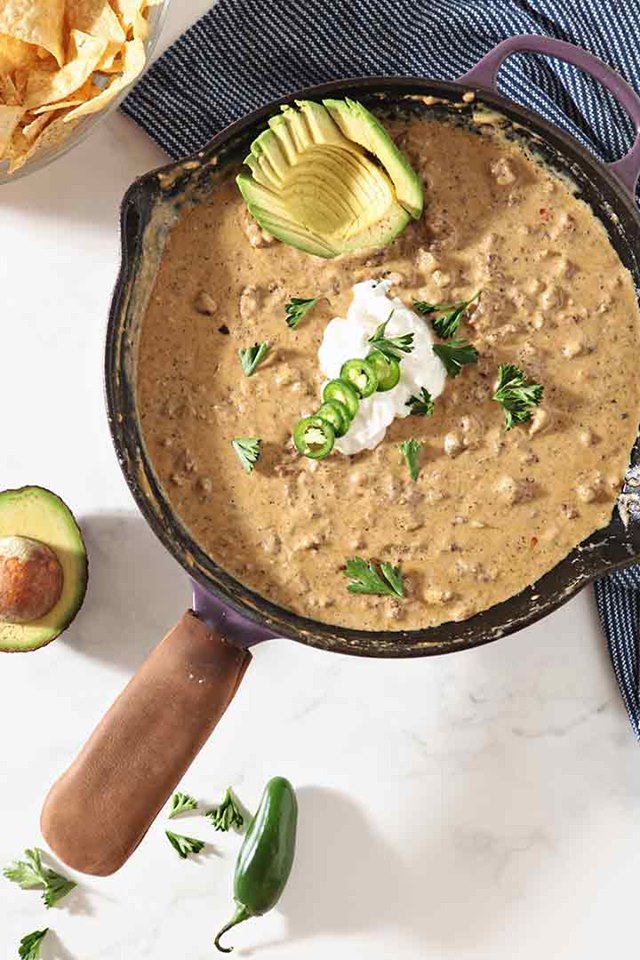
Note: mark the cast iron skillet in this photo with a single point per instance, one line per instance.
(100, 809)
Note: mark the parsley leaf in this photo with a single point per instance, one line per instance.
(410, 450)
(251, 357)
(227, 814)
(30, 945)
(181, 803)
(391, 347)
(296, 308)
(30, 874)
(445, 317)
(247, 450)
(455, 355)
(184, 845)
(366, 579)
(516, 395)
(421, 404)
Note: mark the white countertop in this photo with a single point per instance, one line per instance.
(483, 805)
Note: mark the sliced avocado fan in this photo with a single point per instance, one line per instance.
(328, 179)
(38, 514)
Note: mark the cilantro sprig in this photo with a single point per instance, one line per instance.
(31, 874)
(455, 354)
(248, 451)
(227, 814)
(445, 317)
(410, 450)
(29, 948)
(184, 845)
(391, 347)
(296, 308)
(181, 803)
(421, 404)
(252, 357)
(516, 395)
(365, 578)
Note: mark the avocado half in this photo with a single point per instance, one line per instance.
(40, 515)
(328, 179)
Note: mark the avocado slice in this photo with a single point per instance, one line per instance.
(40, 515)
(324, 192)
(359, 124)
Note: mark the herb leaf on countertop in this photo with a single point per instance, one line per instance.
(445, 317)
(391, 347)
(184, 845)
(30, 944)
(421, 404)
(387, 582)
(227, 814)
(30, 874)
(247, 450)
(410, 450)
(516, 395)
(251, 357)
(296, 308)
(455, 354)
(181, 803)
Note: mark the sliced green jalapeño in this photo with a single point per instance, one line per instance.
(337, 415)
(387, 370)
(344, 393)
(361, 375)
(314, 437)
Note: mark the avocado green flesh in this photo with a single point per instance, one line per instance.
(37, 513)
(316, 189)
(359, 125)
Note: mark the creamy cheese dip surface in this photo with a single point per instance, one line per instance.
(491, 510)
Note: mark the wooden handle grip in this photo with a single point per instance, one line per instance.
(99, 810)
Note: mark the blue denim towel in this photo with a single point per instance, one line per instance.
(243, 53)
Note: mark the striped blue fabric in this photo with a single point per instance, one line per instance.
(242, 54)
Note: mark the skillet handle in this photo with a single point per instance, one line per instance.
(485, 72)
(99, 810)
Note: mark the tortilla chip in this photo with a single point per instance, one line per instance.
(33, 129)
(37, 23)
(133, 15)
(53, 134)
(9, 117)
(84, 93)
(97, 18)
(10, 94)
(16, 53)
(133, 61)
(85, 52)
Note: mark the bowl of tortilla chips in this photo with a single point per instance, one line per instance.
(64, 64)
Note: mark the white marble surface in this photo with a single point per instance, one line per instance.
(484, 805)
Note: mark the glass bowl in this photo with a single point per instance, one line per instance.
(83, 128)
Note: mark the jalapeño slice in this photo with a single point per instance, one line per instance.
(344, 393)
(387, 370)
(361, 375)
(314, 437)
(337, 415)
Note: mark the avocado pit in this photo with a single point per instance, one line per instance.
(31, 579)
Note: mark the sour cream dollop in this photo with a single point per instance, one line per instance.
(346, 338)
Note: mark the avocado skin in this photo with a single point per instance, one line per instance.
(316, 130)
(40, 514)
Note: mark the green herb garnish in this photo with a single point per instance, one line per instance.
(366, 579)
(410, 450)
(251, 357)
(421, 404)
(184, 845)
(455, 354)
(296, 308)
(247, 450)
(30, 874)
(445, 317)
(181, 803)
(391, 347)
(29, 948)
(516, 395)
(227, 814)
